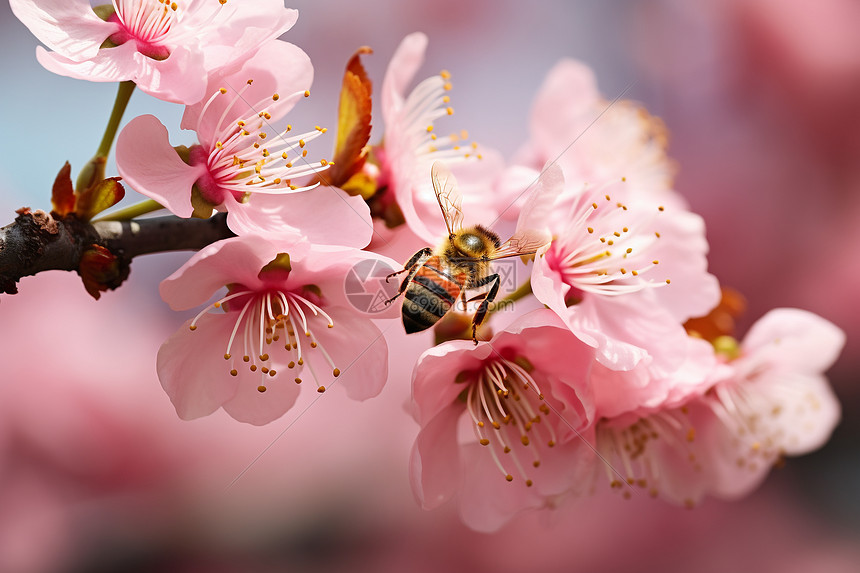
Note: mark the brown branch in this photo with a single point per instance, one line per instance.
(37, 241)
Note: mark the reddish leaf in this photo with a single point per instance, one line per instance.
(353, 124)
(102, 195)
(63, 194)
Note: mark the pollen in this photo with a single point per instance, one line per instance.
(307, 93)
(261, 388)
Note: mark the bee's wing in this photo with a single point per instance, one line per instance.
(532, 232)
(525, 242)
(448, 196)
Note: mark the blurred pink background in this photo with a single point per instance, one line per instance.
(98, 474)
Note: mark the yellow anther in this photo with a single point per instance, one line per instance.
(321, 389)
(275, 97)
(261, 388)
(307, 93)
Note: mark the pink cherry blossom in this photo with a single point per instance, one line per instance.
(593, 139)
(645, 434)
(242, 164)
(285, 319)
(624, 272)
(411, 145)
(526, 397)
(773, 400)
(166, 48)
(770, 401)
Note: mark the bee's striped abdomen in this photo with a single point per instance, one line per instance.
(432, 292)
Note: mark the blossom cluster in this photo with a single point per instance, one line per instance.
(626, 374)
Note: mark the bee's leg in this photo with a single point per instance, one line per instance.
(485, 304)
(412, 266)
(463, 300)
(425, 252)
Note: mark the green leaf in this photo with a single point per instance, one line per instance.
(97, 198)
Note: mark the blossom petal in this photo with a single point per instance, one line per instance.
(266, 69)
(324, 215)
(434, 378)
(796, 339)
(70, 27)
(487, 500)
(236, 260)
(403, 66)
(251, 406)
(434, 465)
(357, 348)
(192, 369)
(563, 107)
(682, 251)
(148, 162)
(254, 24)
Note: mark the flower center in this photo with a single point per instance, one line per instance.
(156, 26)
(147, 22)
(272, 323)
(246, 156)
(633, 451)
(605, 248)
(506, 406)
(756, 419)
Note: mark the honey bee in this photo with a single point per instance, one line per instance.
(436, 278)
